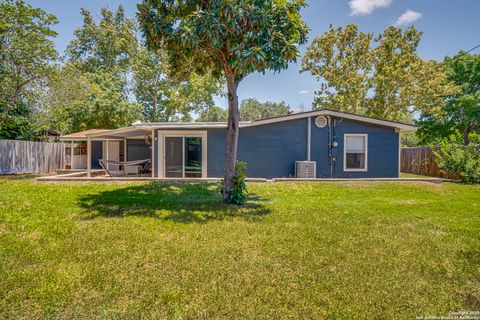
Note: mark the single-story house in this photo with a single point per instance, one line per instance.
(315, 144)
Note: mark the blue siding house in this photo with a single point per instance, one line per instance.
(336, 144)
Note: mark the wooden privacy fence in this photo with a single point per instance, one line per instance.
(422, 161)
(29, 156)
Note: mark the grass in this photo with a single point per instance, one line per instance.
(298, 250)
(412, 175)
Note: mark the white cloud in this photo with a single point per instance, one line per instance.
(364, 7)
(303, 92)
(408, 17)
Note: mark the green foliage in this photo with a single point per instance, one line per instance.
(27, 53)
(226, 38)
(17, 127)
(380, 76)
(213, 114)
(238, 193)
(79, 100)
(235, 37)
(166, 97)
(456, 158)
(409, 140)
(108, 44)
(462, 110)
(252, 109)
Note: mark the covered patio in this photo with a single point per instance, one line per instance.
(117, 152)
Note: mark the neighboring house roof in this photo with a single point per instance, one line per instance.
(51, 132)
(139, 128)
(82, 135)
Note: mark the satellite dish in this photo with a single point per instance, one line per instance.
(321, 121)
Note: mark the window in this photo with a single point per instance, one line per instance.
(355, 152)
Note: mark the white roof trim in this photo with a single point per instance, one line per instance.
(114, 132)
(402, 127)
(181, 125)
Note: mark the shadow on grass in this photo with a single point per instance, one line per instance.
(471, 258)
(19, 176)
(178, 202)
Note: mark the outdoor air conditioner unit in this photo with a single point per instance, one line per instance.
(305, 169)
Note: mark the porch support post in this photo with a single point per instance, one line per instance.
(71, 155)
(106, 148)
(89, 155)
(125, 155)
(153, 153)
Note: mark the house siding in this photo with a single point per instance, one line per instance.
(138, 149)
(271, 150)
(383, 150)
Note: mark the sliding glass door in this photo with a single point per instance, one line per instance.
(173, 157)
(183, 157)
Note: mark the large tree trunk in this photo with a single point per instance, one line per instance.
(232, 136)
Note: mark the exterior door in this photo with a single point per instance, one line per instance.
(173, 157)
(183, 157)
(111, 151)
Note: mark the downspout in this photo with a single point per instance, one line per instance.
(330, 152)
(309, 138)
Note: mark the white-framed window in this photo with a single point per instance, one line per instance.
(355, 152)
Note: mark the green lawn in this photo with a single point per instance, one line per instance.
(298, 250)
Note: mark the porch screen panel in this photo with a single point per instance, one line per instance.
(174, 157)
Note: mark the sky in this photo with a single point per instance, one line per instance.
(448, 26)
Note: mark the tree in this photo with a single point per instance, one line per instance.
(379, 76)
(229, 38)
(252, 109)
(27, 54)
(108, 45)
(80, 100)
(150, 81)
(462, 110)
(213, 114)
(457, 159)
(92, 89)
(165, 96)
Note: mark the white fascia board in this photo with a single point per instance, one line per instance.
(205, 125)
(111, 133)
(401, 126)
(184, 125)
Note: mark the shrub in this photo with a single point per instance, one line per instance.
(455, 158)
(238, 195)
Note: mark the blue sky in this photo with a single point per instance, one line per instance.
(448, 26)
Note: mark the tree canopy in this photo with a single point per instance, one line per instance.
(110, 80)
(462, 110)
(380, 76)
(252, 109)
(27, 54)
(213, 114)
(165, 96)
(227, 38)
(108, 44)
